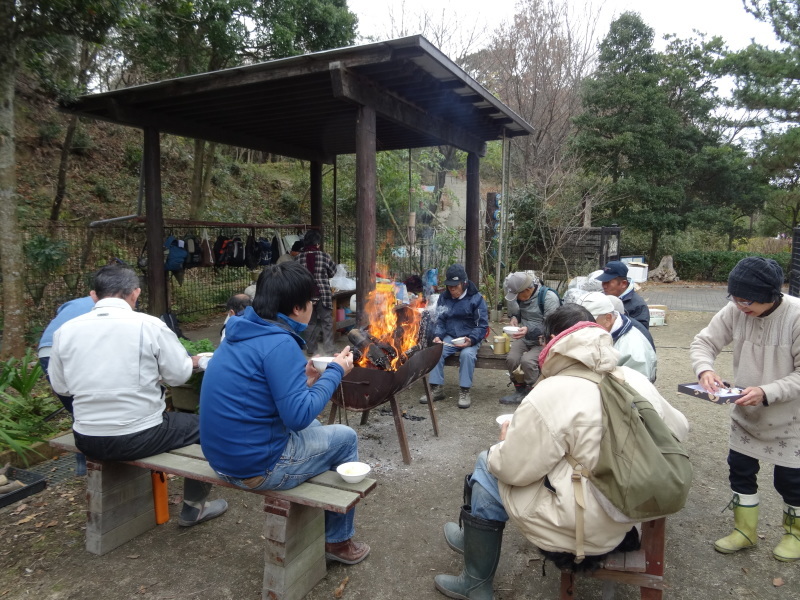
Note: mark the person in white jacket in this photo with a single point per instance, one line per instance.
(525, 477)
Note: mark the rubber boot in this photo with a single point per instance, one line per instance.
(745, 519)
(788, 550)
(520, 391)
(196, 508)
(437, 393)
(453, 532)
(482, 542)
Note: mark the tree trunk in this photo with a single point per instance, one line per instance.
(63, 165)
(654, 239)
(208, 169)
(11, 258)
(196, 198)
(587, 211)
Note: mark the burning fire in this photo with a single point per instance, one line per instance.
(394, 329)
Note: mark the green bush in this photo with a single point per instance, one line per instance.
(699, 265)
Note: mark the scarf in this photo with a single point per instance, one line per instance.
(311, 258)
(626, 327)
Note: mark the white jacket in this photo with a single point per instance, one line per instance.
(561, 415)
(112, 360)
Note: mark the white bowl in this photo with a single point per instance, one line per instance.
(503, 418)
(458, 341)
(510, 330)
(321, 362)
(205, 354)
(353, 472)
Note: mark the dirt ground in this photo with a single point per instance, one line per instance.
(43, 556)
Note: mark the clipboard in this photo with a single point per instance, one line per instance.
(727, 394)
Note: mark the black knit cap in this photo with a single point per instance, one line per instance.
(756, 279)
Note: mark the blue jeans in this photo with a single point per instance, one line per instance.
(466, 364)
(308, 453)
(486, 502)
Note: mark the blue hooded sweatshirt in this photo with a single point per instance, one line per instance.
(254, 393)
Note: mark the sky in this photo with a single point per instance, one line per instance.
(726, 18)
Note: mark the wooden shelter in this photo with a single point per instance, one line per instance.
(397, 94)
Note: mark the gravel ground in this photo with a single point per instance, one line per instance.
(43, 556)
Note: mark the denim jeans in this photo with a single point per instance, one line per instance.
(466, 364)
(308, 453)
(486, 502)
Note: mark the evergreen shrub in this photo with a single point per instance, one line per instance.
(699, 265)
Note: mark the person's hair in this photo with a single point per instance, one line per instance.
(238, 302)
(297, 246)
(312, 238)
(565, 317)
(115, 281)
(280, 288)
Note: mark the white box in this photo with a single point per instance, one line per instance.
(637, 272)
(657, 317)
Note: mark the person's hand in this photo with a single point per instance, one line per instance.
(312, 375)
(437, 340)
(504, 429)
(344, 359)
(466, 344)
(195, 363)
(753, 396)
(710, 381)
(513, 322)
(520, 334)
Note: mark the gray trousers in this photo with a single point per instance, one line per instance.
(527, 358)
(321, 319)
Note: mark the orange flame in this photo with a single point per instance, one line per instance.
(393, 326)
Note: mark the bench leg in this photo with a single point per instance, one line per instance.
(294, 558)
(434, 421)
(653, 536)
(120, 504)
(567, 591)
(401, 430)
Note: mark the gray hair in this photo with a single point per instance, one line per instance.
(115, 281)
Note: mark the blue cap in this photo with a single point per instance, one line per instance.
(612, 270)
(455, 274)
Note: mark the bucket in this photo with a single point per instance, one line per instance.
(499, 345)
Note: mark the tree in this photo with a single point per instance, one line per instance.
(646, 121)
(21, 20)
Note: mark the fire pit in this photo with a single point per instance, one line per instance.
(390, 355)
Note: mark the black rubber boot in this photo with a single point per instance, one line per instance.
(520, 391)
(482, 542)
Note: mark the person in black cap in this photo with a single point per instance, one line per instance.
(297, 248)
(460, 313)
(615, 283)
(764, 327)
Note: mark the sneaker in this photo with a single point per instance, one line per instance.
(347, 552)
(437, 391)
(463, 398)
(192, 516)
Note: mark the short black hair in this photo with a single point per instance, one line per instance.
(115, 281)
(238, 302)
(565, 317)
(312, 238)
(297, 246)
(281, 288)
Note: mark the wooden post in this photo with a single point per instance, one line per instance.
(315, 172)
(473, 257)
(154, 226)
(366, 178)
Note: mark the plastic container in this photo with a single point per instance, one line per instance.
(657, 317)
(160, 496)
(499, 345)
(34, 483)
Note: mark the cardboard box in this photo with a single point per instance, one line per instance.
(726, 395)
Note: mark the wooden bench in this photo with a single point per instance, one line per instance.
(643, 567)
(486, 359)
(120, 507)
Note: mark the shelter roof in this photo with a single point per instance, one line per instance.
(306, 106)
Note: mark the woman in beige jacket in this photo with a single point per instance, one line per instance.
(764, 327)
(526, 477)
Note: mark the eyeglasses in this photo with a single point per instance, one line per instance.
(314, 301)
(740, 302)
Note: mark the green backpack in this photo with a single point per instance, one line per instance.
(643, 472)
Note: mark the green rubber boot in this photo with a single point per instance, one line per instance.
(788, 550)
(482, 541)
(745, 519)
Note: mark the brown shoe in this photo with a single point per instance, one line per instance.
(347, 552)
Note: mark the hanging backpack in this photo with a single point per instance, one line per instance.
(206, 251)
(194, 255)
(264, 252)
(543, 289)
(251, 252)
(221, 250)
(643, 472)
(235, 252)
(176, 254)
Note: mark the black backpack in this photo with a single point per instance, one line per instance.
(221, 250)
(194, 253)
(235, 252)
(251, 252)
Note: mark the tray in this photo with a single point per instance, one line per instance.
(34, 483)
(727, 394)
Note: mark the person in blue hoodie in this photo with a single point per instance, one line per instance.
(461, 324)
(261, 396)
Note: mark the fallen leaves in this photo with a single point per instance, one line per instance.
(778, 582)
(339, 591)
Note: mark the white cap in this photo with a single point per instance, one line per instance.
(596, 303)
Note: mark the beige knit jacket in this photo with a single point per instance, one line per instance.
(766, 353)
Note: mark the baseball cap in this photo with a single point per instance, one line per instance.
(612, 270)
(518, 282)
(596, 303)
(455, 274)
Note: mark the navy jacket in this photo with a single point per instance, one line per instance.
(467, 317)
(636, 308)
